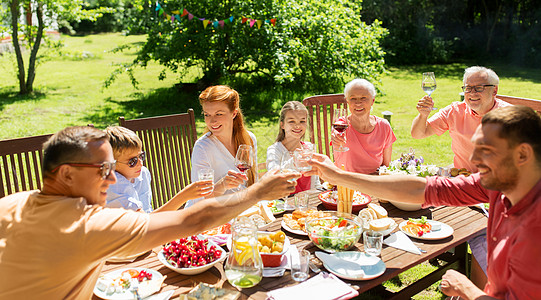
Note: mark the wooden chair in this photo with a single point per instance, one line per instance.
(534, 104)
(168, 142)
(321, 109)
(20, 164)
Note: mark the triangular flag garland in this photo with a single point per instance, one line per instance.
(176, 15)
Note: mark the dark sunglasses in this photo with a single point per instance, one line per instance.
(106, 167)
(132, 162)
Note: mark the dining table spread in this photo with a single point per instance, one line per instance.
(400, 252)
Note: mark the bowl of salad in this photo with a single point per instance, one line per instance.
(337, 232)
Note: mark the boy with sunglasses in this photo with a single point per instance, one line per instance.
(132, 189)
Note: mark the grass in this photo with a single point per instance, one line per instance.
(69, 91)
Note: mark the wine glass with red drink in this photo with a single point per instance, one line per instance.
(340, 124)
(244, 158)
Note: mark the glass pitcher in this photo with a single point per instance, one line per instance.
(244, 268)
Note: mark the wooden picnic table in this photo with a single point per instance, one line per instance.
(466, 222)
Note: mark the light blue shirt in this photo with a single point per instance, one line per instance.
(131, 195)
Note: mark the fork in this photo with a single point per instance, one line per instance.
(313, 267)
(134, 288)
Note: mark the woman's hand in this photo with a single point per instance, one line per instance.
(338, 139)
(425, 105)
(231, 180)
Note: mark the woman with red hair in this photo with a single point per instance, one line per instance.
(225, 132)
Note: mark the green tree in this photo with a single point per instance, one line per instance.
(31, 36)
(315, 44)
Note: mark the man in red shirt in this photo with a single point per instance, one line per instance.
(507, 152)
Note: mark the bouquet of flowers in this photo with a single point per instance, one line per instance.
(408, 164)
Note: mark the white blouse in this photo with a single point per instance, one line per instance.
(209, 152)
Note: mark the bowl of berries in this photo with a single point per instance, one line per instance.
(191, 255)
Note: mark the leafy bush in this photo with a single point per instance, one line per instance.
(314, 45)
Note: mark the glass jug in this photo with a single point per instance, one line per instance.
(244, 268)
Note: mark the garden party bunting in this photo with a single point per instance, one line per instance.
(176, 15)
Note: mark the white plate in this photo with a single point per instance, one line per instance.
(295, 231)
(279, 203)
(444, 232)
(372, 266)
(126, 294)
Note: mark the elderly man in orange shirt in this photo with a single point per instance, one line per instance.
(54, 242)
(461, 119)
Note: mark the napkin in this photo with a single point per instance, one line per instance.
(322, 286)
(401, 241)
(341, 266)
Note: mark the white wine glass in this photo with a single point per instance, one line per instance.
(428, 84)
(340, 124)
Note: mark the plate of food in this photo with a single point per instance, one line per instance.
(275, 206)
(330, 200)
(295, 222)
(425, 229)
(116, 285)
(291, 230)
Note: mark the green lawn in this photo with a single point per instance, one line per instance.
(69, 91)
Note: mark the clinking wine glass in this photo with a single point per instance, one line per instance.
(340, 124)
(428, 84)
(244, 158)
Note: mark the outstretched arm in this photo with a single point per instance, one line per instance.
(167, 226)
(192, 191)
(403, 188)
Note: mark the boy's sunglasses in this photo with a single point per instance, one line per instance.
(132, 162)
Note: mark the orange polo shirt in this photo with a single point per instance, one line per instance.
(461, 122)
(54, 247)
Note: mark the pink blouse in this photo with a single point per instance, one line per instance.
(365, 153)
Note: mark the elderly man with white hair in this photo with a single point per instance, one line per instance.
(461, 119)
(369, 138)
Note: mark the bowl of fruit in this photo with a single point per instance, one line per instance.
(191, 255)
(337, 232)
(272, 246)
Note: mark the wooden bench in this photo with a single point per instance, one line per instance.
(168, 142)
(534, 104)
(20, 164)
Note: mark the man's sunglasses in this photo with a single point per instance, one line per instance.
(105, 168)
(132, 162)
